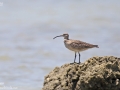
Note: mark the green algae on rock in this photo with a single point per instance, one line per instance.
(97, 73)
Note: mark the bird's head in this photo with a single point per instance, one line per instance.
(66, 36)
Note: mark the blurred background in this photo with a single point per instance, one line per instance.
(27, 27)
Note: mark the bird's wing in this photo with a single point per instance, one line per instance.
(80, 44)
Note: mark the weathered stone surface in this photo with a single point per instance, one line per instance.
(97, 73)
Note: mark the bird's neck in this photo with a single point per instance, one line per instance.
(66, 38)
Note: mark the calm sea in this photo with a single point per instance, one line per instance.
(27, 27)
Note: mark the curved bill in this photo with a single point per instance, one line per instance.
(58, 36)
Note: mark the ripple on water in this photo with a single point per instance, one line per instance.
(5, 58)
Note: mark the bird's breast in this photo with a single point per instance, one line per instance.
(68, 45)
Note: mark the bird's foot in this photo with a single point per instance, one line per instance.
(79, 63)
(73, 63)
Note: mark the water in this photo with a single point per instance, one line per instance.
(27, 49)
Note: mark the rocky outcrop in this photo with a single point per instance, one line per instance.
(97, 73)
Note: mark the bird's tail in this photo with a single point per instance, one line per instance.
(96, 46)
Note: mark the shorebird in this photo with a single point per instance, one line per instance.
(76, 45)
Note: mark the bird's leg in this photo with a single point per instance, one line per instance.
(75, 57)
(79, 57)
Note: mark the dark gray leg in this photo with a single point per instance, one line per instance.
(79, 57)
(75, 57)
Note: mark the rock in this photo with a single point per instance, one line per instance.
(97, 73)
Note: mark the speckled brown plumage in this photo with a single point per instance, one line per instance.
(76, 45)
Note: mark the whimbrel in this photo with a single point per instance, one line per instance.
(76, 45)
